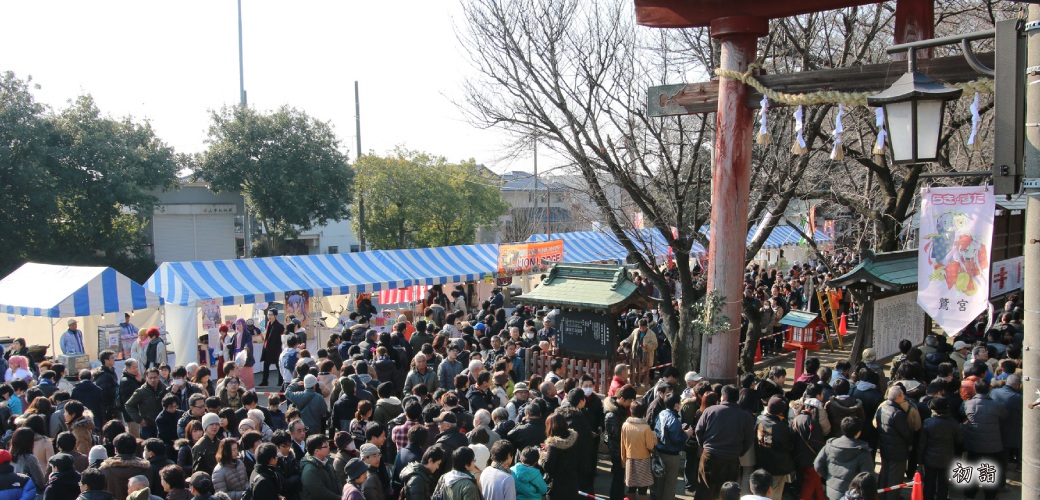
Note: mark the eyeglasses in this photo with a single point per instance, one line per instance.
(199, 407)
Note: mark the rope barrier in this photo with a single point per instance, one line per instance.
(898, 486)
(982, 86)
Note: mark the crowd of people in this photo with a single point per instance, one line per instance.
(441, 408)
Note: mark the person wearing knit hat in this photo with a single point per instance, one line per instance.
(204, 452)
(357, 473)
(64, 481)
(775, 445)
(373, 486)
(310, 402)
(99, 454)
(481, 456)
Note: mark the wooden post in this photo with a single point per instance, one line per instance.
(730, 186)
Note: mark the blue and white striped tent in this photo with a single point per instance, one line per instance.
(340, 274)
(595, 246)
(69, 291)
(436, 266)
(240, 281)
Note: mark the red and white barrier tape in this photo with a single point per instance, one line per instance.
(660, 366)
(270, 393)
(896, 487)
(590, 495)
(765, 337)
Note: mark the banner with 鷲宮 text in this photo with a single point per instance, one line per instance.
(524, 258)
(953, 257)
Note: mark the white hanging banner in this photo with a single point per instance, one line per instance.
(953, 258)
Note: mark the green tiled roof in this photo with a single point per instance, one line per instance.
(590, 286)
(886, 270)
(799, 319)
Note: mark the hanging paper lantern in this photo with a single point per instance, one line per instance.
(973, 141)
(836, 152)
(764, 137)
(879, 147)
(799, 146)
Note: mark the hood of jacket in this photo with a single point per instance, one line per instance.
(844, 406)
(864, 386)
(141, 494)
(86, 421)
(390, 401)
(125, 461)
(845, 449)
(69, 478)
(413, 469)
(364, 377)
(562, 443)
(455, 476)
(610, 405)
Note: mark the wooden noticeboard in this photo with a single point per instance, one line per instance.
(585, 334)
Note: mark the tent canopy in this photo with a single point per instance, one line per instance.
(343, 273)
(240, 281)
(70, 291)
(595, 246)
(439, 265)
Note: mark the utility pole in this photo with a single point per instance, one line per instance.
(361, 197)
(247, 240)
(1031, 262)
(535, 189)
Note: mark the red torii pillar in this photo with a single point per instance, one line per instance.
(730, 186)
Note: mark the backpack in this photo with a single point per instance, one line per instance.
(290, 361)
(810, 431)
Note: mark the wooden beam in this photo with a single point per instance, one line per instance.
(700, 13)
(693, 98)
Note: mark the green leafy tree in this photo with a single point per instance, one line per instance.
(288, 166)
(75, 183)
(413, 199)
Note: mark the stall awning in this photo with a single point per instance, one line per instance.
(436, 266)
(340, 274)
(596, 246)
(70, 291)
(242, 281)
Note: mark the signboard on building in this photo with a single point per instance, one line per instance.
(1007, 276)
(585, 334)
(194, 209)
(525, 258)
(897, 318)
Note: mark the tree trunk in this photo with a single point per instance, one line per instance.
(754, 331)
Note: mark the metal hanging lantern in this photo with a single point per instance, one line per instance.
(914, 107)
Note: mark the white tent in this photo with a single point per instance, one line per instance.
(36, 296)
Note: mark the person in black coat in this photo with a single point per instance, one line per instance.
(478, 395)
(577, 422)
(272, 346)
(129, 383)
(532, 431)
(265, 482)
(450, 436)
(867, 392)
(105, 378)
(87, 392)
(775, 446)
(166, 424)
(936, 442)
(155, 454)
(894, 440)
(63, 483)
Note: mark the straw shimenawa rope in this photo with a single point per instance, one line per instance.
(982, 85)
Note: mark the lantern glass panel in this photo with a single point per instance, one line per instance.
(929, 123)
(900, 125)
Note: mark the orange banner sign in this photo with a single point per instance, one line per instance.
(526, 258)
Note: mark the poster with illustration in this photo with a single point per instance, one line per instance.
(210, 323)
(953, 257)
(296, 304)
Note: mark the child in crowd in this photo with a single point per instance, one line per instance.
(529, 482)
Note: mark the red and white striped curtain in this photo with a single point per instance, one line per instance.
(398, 295)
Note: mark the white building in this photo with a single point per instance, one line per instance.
(195, 224)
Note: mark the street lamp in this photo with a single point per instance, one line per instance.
(914, 107)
